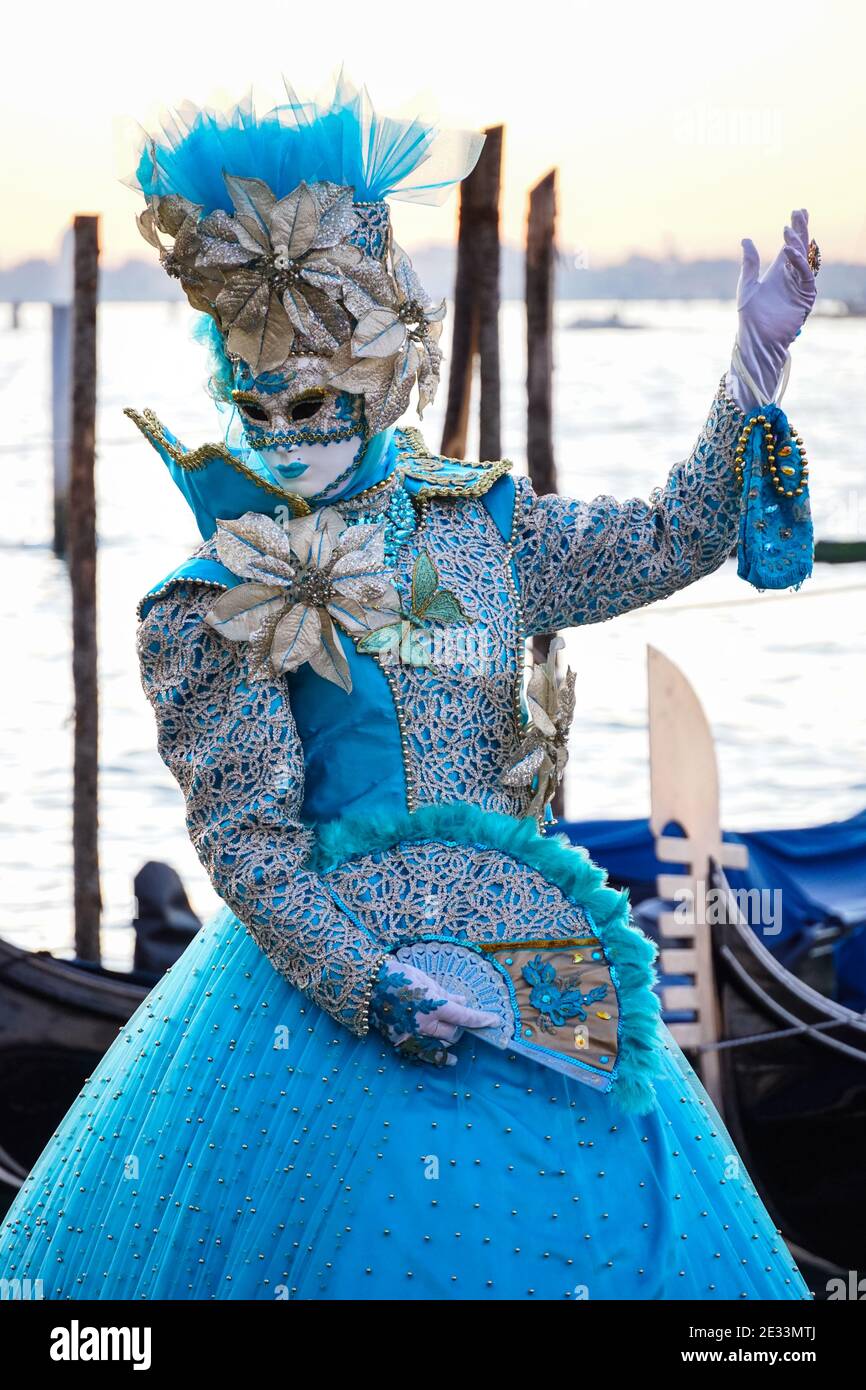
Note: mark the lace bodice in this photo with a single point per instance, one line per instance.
(243, 759)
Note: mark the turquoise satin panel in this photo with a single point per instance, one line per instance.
(353, 763)
(352, 757)
(499, 502)
(219, 490)
(199, 570)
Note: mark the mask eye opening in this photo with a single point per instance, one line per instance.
(306, 406)
(250, 407)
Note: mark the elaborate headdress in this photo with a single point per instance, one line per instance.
(277, 227)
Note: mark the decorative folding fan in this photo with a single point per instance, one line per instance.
(555, 1001)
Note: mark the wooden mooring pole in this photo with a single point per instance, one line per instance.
(476, 307)
(540, 294)
(82, 573)
(61, 403)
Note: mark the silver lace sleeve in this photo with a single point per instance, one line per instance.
(232, 745)
(585, 562)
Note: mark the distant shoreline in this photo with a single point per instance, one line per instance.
(638, 277)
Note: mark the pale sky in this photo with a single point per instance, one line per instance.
(675, 126)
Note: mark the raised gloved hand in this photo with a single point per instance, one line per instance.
(417, 1016)
(771, 311)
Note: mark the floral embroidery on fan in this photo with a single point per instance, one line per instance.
(303, 577)
(410, 639)
(557, 1000)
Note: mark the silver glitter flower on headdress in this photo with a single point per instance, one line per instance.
(277, 274)
(394, 345)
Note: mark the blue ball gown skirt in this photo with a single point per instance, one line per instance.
(236, 1143)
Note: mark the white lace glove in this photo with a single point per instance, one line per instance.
(771, 311)
(419, 1018)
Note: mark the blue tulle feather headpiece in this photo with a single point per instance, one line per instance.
(338, 138)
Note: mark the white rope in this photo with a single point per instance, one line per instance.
(746, 377)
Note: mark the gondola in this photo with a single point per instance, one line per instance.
(58, 1017)
(794, 1086)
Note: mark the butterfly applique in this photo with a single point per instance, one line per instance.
(412, 640)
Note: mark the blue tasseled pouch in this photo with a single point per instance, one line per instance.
(776, 545)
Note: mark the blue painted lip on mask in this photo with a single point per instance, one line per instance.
(288, 470)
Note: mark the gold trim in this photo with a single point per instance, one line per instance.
(313, 393)
(191, 460)
(419, 450)
(565, 944)
(363, 1010)
(455, 487)
(459, 489)
(410, 441)
(348, 503)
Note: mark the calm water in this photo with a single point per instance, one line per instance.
(781, 677)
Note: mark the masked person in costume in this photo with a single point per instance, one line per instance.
(418, 1053)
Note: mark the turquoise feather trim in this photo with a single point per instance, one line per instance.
(629, 952)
